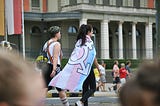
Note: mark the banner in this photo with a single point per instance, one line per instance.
(2, 18)
(77, 69)
(13, 14)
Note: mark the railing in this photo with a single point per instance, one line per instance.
(36, 9)
(113, 53)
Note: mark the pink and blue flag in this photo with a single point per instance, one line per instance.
(78, 67)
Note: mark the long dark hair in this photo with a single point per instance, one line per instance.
(83, 30)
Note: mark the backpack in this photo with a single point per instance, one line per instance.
(42, 58)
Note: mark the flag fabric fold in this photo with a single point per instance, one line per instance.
(78, 67)
(13, 14)
(2, 18)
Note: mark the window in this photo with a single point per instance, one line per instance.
(35, 3)
(106, 2)
(72, 29)
(136, 3)
(92, 2)
(35, 30)
(119, 3)
(95, 31)
(138, 33)
(72, 2)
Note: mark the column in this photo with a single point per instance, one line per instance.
(104, 40)
(120, 39)
(134, 45)
(148, 41)
(82, 21)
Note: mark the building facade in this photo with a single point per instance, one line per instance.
(123, 29)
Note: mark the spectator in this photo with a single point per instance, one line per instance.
(128, 65)
(103, 64)
(115, 74)
(146, 82)
(97, 76)
(20, 84)
(102, 79)
(123, 73)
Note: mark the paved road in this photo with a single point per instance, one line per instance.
(108, 98)
(93, 101)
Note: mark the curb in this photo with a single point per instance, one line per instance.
(79, 94)
(69, 94)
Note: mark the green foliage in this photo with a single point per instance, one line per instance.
(109, 62)
(64, 62)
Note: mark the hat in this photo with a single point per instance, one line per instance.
(54, 29)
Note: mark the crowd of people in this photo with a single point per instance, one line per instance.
(144, 88)
(120, 75)
(17, 73)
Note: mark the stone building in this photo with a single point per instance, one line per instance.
(123, 29)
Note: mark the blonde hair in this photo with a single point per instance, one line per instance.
(15, 75)
(122, 65)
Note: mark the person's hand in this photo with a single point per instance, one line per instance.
(52, 74)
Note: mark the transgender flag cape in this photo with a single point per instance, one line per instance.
(78, 67)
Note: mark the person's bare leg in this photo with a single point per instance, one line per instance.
(63, 97)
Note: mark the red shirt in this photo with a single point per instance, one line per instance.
(123, 73)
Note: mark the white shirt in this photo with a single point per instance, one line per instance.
(102, 69)
(51, 50)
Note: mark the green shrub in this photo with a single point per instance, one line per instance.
(109, 62)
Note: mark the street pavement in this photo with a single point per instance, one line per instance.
(107, 98)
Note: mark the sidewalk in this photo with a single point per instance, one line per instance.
(53, 93)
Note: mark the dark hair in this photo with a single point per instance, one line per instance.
(128, 62)
(83, 30)
(53, 30)
(115, 62)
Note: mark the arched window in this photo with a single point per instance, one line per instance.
(35, 30)
(72, 30)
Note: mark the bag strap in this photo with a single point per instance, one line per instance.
(48, 44)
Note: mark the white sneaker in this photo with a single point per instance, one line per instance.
(78, 103)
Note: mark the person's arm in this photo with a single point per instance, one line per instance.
(61, 55)
(56, 51)
(128, 73)
(96, 64)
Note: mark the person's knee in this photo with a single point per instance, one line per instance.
(62, 94)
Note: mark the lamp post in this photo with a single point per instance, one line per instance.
(158, 27)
